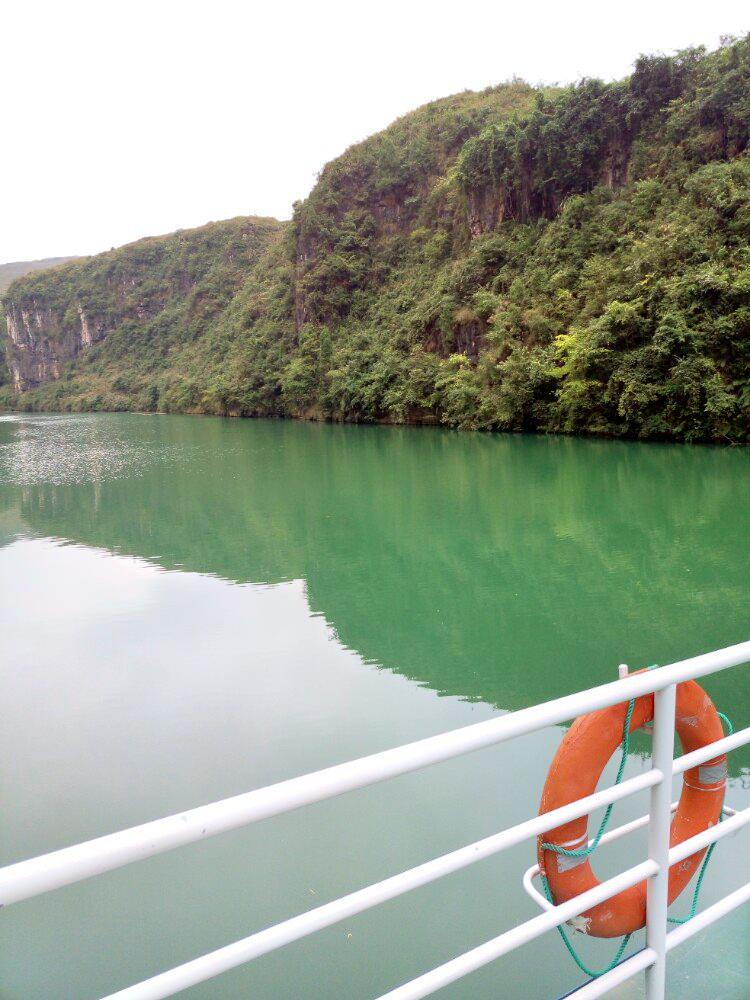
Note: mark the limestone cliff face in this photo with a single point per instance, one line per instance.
(168, 286)
(47, 330)
(372, 198)
(40, 343)
(430, 171)
(485, 209)
(488, 205)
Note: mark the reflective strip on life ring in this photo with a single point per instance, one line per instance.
(575, 772)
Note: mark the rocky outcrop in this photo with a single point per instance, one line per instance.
(175, 282)
(39, 342)
(32, 358)
(489, 205)
(485, 210)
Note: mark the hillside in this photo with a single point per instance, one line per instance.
(17, 269)
(8, 274)
(107, 331)
(572, 260)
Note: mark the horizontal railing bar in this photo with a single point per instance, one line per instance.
(711, 750)
(694, 844)
(72, 864)
(463, 965)
(261, 943)
(243, 951)
(615, 977)
(619, 831)
(531, 890)
(708, 916)
(680, 765)
(606, 838)
(472, 960)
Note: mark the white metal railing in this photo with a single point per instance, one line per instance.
(72, 864)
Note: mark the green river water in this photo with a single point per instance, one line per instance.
(192, 607)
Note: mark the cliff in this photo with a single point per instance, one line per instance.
(570, 260)
(153, 298)
(8, 274)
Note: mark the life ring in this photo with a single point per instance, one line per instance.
(574, 773)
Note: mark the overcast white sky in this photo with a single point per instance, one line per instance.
(127, 119)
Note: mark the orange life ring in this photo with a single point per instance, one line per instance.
(574, 773)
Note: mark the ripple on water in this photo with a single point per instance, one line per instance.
(65, 450)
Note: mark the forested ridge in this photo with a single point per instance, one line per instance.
(568, 260)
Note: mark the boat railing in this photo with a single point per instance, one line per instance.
(72, 864)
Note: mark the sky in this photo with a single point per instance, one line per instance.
(129, 119)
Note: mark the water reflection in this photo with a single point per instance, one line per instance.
(497, 568)
(500, 570)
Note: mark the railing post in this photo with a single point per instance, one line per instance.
(658, 839)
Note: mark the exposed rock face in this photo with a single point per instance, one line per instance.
(488, 205)
(303, 256)
(31, 356)
(469, 333)
(91, 329)
(614, 172)
(40, 343)
(485, 210)
(173, 283)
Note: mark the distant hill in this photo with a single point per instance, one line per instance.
(17, 269)
(132, 318)
(569, 260)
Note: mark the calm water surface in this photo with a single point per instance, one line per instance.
(191, 608)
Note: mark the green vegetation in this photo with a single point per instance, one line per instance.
(572, 260)
(17, 269)
(8, 274)
(147, 306)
